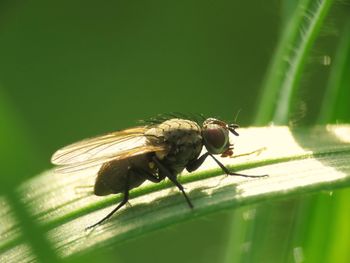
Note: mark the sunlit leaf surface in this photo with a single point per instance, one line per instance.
(296, 160)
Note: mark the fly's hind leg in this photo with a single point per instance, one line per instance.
(132, 170)
(122, 203)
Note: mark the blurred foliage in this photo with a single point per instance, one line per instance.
(79, 69)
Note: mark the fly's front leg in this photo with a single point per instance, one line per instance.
(257, 152)
(195, 164)
(228, 172)
(163, 170)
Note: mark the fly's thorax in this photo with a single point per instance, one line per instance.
(175, 129)
(184, 141)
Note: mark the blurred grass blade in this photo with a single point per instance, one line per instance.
(331, 244)
(16, 147)
(22, 160)
(277, 103)
(59, 206)
(284, 74)
(335, 106)
(338, 238)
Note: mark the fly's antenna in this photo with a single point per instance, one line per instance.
(237, 115)
(232, 128)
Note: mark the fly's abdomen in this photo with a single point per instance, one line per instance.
(111, 178)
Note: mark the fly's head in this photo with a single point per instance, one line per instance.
(215, 135)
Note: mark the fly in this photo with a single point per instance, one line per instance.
(152, 152)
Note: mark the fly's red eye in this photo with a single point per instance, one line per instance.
(215, 138)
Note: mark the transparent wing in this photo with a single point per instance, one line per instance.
(97, 150)
(71, 168)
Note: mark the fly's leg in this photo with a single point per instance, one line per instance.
(195, 164)
(122, 203)
(257, 152)
(228, 172)
(148, 176)
(133, 170)
(163, 170)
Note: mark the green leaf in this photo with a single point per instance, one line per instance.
(297, 161)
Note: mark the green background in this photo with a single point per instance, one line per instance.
(74, 69)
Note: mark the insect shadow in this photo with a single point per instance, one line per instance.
(173, 200)
(143, 210)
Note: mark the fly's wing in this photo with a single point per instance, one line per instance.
(96, 151)
(100, 146)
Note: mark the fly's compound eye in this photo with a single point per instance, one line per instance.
(216, 137)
